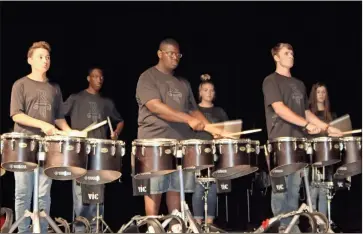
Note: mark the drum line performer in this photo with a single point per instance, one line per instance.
(35, 107)
(214, 114)
(167, 109)
(85, 108)
(287, 115)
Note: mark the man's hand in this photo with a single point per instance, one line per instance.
(49, 129)
(196, 124)
(312, 129)
(334, 132)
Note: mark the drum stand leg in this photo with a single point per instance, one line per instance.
(100, 218)
(35, 216)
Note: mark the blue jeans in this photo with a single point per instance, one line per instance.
(319, 194)
(88, 211)
(198, 201)
(287, 201)
(170, 182)
(24, 184)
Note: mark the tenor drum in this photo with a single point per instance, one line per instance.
(19, 151)
(66, 157)
(233, 159)
(197, 154)
(153, 157)
(351, 158)
(326, 151)
(104, 161)
(287, 155)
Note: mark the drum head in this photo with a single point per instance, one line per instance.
(357, 139)
(231, 141)
(324, 139)
(195, 142)
(155, 142)
(105, 141)
(17, 135)
(63, 138)
(282, 139)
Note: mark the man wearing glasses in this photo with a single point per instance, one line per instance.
(167, 109)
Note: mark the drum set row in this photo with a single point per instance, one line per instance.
(88, 160)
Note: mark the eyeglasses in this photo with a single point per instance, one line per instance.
(171, 53)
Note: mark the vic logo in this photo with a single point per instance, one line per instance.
(280, 187)
(224, 186)
(93, 113)
(142, 189)
(42, 104)
(93, 196)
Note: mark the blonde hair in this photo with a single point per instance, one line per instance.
(206, 79)
(36, 45)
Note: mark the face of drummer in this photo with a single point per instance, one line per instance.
(321, 94)
(207, 92)
(285, 58)
(169, 56)
(95, 79)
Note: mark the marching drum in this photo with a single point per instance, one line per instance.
(104, 161)
(19, 151)
(233, 159)
(326, 151)
(287, 155)
(351, 158)
(153, 157)
(197, 154)
(66, 157)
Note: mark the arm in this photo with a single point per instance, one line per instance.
(167, 113)
(287, 114)
(63, 125)
(311, 118)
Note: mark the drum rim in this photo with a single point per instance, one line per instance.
(351, 138)
(286, 139)
(324, 139)
(68, 138)
(255, 142)
(99, 140)
(19, 135)
(195, 141)
(155, 142)
(227, 140)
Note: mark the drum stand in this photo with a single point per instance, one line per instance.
(36, 215)
(100, 218)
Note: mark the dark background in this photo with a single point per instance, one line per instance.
(229, 40)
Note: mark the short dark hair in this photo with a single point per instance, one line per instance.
(93, 68)
(169, 41)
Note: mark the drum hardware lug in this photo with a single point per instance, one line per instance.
(343, 146)
(330, 145)
(183, 149)
(279, 146)
(213, 149)
(133, 150)
(269, 148)
(160, 151)
(257, 149)
(2, 147)
(314, 146)
(295, 145)
(60, 147)
(143, 150)
(174, 151)
(122, 151)
(12, 144)
(32, 145)
(88, 148)
(235, 148)
(46, 147)
(113, 150)
(199, 149)
(78, 147)
(94, 149)
(220, 149)
(359, 146)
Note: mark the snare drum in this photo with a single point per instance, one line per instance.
(19, 151)
(66, 157)
(287, 155)
(153, 157)
(104, 161)
(233, 159)
(351, 158)
(197, 154)
(326, 151)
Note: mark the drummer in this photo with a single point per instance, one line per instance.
(167, 109)
(214, 114)
(287, 115)
(84, 108)
(35, 109)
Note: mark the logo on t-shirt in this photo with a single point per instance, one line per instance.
(93, 112)
(296, 95)
(175, 94)
(42, 103)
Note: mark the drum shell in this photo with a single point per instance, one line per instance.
(326, 151)
(66, 159)
(19, 154)
(198, 156)
(351, 163)
(104, 162)
(154, 160)
(288, 156)
(234, 159)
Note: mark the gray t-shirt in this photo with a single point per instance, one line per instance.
(85, 108)
(172, 91)
(214, 115)
(292, 93)
(39, 100)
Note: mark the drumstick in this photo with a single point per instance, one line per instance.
(96, 126)
(84, 130)
(231, 122)
(110, 125)
(243, 133)
(353, 131)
